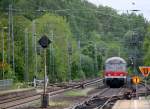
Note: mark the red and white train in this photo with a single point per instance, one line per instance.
(115, 72)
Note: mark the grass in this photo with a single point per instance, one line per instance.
(62, 103)
(75, 93)
(78, 93)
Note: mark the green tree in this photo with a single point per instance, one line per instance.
(48, 24)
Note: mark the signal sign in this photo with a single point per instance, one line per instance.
(44, 41)
(136, 80)
(145, 70)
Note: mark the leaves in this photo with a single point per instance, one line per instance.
(101, 31)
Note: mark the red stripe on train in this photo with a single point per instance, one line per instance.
(116, 73)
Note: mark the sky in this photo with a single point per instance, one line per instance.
(124, 5)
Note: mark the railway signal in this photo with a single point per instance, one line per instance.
(136, 80)
(44, 42)
(145, 70)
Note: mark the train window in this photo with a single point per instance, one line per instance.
(115, 67)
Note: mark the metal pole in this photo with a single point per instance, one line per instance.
(45, 73)
(79, 55)
(96, 63)
(136, 91)
(9, 35)
(33, 35)
(50, 61)
(3, 50)
(35, 56)
(12, 34)
(45, 97)
(44, 42)
(134, 66)
(69, 67)
(145, 87)
(69, 61)
(34, 46)
(52, 56)
(26, 56)
(119, 51)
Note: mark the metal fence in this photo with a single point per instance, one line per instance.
(6, 84)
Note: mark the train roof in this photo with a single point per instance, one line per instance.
(115, 58)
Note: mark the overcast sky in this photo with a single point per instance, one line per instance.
(124, 5)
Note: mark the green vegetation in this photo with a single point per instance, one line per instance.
(93, 33)
(59, 103)
(75, 93)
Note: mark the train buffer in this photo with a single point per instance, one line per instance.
(132, 104)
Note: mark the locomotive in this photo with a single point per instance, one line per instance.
(115, 72)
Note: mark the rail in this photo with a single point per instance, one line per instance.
(101, 99)
(17, 101)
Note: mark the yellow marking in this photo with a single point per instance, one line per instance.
(136, 80)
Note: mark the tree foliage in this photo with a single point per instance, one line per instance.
(93, 33)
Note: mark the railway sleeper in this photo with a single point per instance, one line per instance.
(99, 102)
(11, 95)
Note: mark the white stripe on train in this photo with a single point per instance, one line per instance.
(115, 77)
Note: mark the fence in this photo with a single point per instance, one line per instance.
(6, 84)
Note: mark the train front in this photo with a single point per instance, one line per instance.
(115, 72)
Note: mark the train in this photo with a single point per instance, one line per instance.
(115, 72)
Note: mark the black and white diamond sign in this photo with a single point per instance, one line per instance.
(44, 41)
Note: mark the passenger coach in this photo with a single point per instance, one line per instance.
(115, 72)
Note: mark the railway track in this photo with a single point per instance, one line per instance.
(147, 85)
(15, 101)
(106, 98)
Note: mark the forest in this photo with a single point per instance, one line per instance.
(83, 36)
